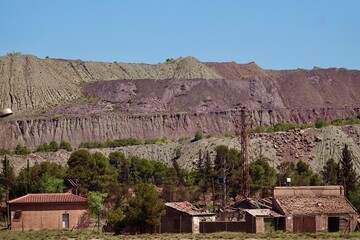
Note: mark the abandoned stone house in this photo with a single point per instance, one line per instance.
(261, 220)
(48, 211)
(183, 217)
(314, 209)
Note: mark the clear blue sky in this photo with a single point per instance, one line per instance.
(278, 34)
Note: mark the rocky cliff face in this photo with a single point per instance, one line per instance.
(75, 130)
(79, 101)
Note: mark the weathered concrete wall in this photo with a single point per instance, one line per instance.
(308, 191)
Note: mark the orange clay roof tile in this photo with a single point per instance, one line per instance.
(49, 198)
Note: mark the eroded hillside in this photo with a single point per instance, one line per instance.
(78, 101)
(314, 146)
(29, 84)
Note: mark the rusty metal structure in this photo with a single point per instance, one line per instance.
(245, 152)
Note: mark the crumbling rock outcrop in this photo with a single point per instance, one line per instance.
(77, 129)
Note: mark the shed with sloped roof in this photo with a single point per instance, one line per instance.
(314, 209)
(48, 211)
(183, 217)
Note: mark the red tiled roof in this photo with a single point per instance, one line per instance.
(49, 198)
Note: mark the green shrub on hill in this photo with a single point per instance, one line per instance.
(4, 152)
(337, 122)
(320, 123)
(92, 145)
(66, 146)
(22, 150)
(197, 136)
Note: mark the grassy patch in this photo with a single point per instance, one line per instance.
(87, 100)
(62, 234)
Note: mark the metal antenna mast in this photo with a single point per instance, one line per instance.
(245, 153)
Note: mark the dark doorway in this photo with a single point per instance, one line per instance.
(280, 223)
(333, 224)
(176, 225)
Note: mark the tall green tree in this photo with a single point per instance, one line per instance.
(348, 175)
(330, 172)
(303, 174)
(96, 204)
(125, 172)
(170, 186)
(144, 209)
(228, 168)
(202, 179)
(7, 177)
(354, 197)
(31, 180)
(263, 176)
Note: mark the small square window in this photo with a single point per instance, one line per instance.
(17, 216)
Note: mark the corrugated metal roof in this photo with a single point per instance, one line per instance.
(188, 208)
(49, 198)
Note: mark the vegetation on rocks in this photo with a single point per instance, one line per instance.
(112, 143)
(320, 123)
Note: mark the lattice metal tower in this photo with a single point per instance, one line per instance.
(245, 152)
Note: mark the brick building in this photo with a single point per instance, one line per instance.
(314, 209)
(48, 211)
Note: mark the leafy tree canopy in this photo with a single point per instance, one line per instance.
(92, 171)
(263, 176)
(145, 208)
